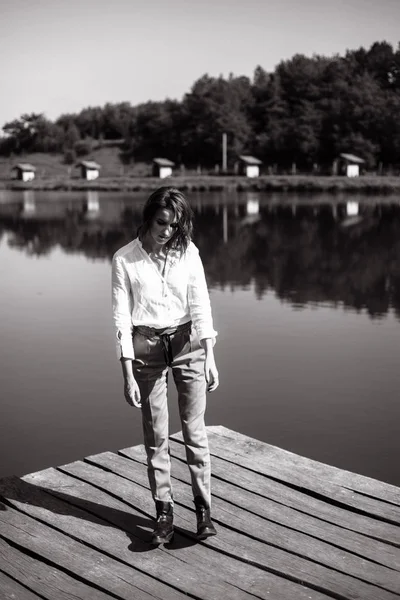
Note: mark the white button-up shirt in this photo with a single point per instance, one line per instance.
(141, 295)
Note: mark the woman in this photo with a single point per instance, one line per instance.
(162, 317)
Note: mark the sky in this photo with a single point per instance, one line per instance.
(60, 56)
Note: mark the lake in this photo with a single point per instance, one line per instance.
(306, 299)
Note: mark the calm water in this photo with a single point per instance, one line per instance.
(306, 299)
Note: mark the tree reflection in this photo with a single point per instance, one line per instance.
(304, 253)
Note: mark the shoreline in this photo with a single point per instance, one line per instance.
(270, 183)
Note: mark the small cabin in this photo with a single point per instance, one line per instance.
(351, 164)
(90, 170)
(24, 172)
(249, 166)
(162, 167)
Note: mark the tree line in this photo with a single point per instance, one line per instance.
(307, 111)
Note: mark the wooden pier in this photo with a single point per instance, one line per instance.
(289, 528)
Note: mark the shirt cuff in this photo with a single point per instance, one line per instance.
(124, 347)
(204, 333)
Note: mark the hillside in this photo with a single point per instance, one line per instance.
(51, 166)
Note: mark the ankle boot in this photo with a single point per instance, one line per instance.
(205, 527)
(164, 529)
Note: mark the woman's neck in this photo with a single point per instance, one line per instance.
(151, 246)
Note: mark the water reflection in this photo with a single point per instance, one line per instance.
(28, 205)
(342, 252)
(92, 206)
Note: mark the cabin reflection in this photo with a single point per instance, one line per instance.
(28, 207)
(92, 206)
(340, 251)
(252, 209)
(352, 208)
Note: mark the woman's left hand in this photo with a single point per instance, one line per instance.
(211, 373)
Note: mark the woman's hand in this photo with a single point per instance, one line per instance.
(132, 393)
(131, 388)
(211, 373)
(210, 368)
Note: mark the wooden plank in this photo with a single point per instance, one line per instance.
(234, 451)
(278, 538)
(95, 558)
(208, 562)
(374, 550)
(43, 579)
(293, 541)
(271, 557)
(284, 495)
(12, 590)
(92, 566)
(308, 467)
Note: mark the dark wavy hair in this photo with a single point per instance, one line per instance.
(173, 199)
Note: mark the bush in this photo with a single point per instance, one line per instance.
(82, 148)
(69, 157)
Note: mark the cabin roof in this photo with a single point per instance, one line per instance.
(250, 160)
(163, 162)
(25, 167)
(89, 164)
(352, 158)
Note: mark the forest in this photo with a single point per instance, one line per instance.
(307, 111)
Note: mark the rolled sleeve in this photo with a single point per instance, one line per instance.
(122, 309)
(199, 299)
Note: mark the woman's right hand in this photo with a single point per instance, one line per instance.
(132, 393)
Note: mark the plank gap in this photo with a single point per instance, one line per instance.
(14, 588)
(291, 578)
(98, 487)
(364, 494)
(36, 594)
(49, 563)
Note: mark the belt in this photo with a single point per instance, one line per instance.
(164, 335)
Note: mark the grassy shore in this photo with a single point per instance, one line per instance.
(52, 174)
(275, 183)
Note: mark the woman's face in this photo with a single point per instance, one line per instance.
(164, 226)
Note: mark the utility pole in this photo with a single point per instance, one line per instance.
(224, 150)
